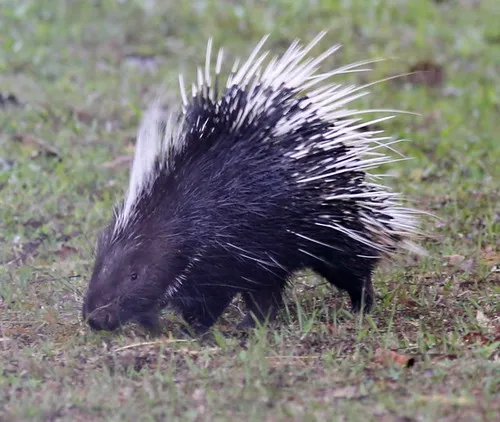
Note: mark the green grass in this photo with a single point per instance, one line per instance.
(84, 70)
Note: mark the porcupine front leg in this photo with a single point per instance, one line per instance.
(358, 284)
(150, 322)
(262, 305)
(362, 294)
(202, 311)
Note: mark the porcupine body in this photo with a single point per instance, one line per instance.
(252, 181)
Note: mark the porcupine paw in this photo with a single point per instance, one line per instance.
(246, 323)
(250, 321)
(194, 330)
(262, 307)
(195, 327)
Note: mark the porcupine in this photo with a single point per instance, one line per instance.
(245, 185)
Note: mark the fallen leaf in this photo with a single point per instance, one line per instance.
(427, 73)
(40, 144)
(347, 392)
(432, 117)
(484, 322)
(385, 357)
(64, 251)
(51, 317)
(455, 259)
(83, 116)
(33, 223)
(490, 257)
(13, 331)
(409, 303)
(474, 338)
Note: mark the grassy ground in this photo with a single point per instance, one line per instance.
(84, 70)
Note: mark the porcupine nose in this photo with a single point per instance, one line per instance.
(102, 319)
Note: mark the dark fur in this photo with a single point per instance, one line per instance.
(229, 189)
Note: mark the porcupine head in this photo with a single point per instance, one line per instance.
(248, 182)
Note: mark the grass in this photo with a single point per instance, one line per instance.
(84, 70)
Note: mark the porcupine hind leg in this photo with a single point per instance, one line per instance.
(262, 305)
(356, 282)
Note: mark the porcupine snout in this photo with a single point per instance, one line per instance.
(103, 317)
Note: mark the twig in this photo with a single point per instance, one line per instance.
(152, 343)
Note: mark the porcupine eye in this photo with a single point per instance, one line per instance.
(133, 276)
